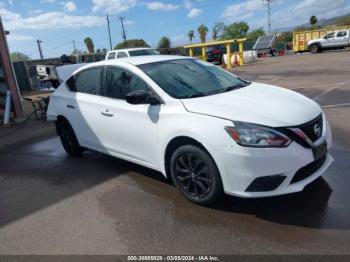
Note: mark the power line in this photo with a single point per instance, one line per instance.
(124, 34)
(268, 3)
(109, 32)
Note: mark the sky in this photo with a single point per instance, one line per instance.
(58, 23)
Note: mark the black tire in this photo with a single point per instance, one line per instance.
(68, 138)
(195, 174)
(314, 48)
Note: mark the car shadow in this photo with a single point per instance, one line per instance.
(307, 208)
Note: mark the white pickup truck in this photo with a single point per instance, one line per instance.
(120, 53)
(334, 40)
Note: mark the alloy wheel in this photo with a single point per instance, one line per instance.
(193, 175)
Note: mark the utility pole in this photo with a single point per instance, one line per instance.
(75, 50)
(109, 32)
(40, 50)
(124, 34)
(268, 3)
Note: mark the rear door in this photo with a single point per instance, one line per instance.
(84, 107)
(342, 38)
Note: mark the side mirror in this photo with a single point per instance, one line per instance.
(142, 97)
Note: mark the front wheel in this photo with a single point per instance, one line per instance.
(195, 174)
(315, 48)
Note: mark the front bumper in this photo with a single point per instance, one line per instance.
(241, 166)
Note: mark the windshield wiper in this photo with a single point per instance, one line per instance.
(230, 88)
(195, 95)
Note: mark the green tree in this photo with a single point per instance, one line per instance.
(217, 29)
(202, 31)
(285, 37)
(89, 44)
(164, 42)
(132, 43)
(255, 34)
(235, 30)
(18, 56)
(190, 35)
(313, 21)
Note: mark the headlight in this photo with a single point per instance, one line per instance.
(251, 135)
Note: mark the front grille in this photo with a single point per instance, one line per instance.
(308, 170)
(309, 128)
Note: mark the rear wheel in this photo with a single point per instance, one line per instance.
(68, 138)
(195, 174)
(314, 48)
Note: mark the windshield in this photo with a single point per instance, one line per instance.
(188, 78)
(143, 52)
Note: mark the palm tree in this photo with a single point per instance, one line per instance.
(313, 21)
(190, 35)
(202, 31)
(89, 44)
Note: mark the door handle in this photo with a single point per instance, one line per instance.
(71, 106)
(107, 114)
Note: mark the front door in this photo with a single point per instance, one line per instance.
(328, 40)
(131, 129)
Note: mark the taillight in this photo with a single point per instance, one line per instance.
(215, 52)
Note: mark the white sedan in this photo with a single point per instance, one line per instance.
(202, 127)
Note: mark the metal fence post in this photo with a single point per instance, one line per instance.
(228, 51)
(7, 108)
(240, 45)
(204, 56)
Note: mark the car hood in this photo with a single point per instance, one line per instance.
(257, 103)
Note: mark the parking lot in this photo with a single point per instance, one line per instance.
(51, 203)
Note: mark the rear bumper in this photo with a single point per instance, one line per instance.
(215, 60)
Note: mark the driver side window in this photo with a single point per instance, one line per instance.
(331, 35)
(120, 82)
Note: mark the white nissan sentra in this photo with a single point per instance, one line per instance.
(202, 127)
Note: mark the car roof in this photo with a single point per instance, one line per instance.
(135, 60)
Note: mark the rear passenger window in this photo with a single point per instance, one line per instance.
(121, 55)
(120, 82)
(341, 34)
(89, 81)
(70, 83)
(111, 55)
